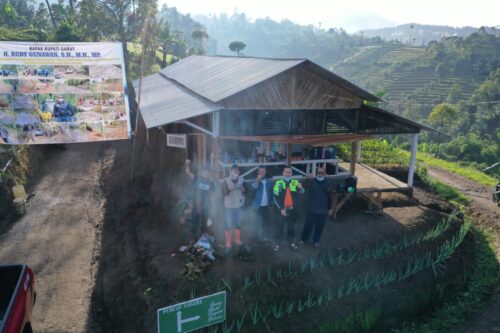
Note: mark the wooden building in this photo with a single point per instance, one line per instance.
(202, 102)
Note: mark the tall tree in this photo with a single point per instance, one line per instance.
(51, 14)
(41, 21)
(166, 39)
(129, 19)
(443, 116)
(200, 35)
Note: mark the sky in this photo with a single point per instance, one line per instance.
(353, 15)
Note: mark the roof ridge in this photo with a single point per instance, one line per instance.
(248, 57)
(189, 91)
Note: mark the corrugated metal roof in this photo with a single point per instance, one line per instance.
(397, 118)
(164, 101)
(218, 77)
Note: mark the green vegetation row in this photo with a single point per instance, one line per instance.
(483, 279)
(262, 315)
(297, 270)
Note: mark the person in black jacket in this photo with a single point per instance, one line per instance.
(318, 201)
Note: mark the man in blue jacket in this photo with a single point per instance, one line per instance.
(261, 204)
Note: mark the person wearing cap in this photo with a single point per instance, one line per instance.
(285, 198)
(233, 189)
(318, 203)
(203, 195)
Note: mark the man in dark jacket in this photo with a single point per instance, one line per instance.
(319, 192)
(285, 197)
(63, 111)
(261, 204)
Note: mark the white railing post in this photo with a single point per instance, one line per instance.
(413, 161)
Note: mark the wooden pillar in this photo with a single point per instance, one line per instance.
(354, 156)
(413, 161)
(204, 142)
(288, 153)
(216, 155)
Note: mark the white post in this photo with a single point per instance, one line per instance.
(413, 162)
(358, 150)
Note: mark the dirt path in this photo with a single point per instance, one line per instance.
(57, 238)
(487, 214)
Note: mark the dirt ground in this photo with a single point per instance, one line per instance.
(486, 214)
(102, 254)
(141, 253)
(58, 237)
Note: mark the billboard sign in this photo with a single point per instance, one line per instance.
(62, 93)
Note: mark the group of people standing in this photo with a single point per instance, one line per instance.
(276, 204)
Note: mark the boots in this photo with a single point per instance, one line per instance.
(228, 239)
(237, 236)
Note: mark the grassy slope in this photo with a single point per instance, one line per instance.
(466, 172)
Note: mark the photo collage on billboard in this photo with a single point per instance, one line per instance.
(62, 103)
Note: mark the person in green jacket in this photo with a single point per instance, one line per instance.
(285, 198)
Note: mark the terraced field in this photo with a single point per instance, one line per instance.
(406, 75)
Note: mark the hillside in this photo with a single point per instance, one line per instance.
(407, 75)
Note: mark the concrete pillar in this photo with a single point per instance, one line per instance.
(413, 161)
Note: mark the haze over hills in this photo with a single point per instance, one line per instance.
(416, 34)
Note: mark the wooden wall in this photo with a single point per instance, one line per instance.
(297, 88)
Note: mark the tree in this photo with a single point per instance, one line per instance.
(200, 35)
(51, 14)
(41, 21)
(443, 116)
(128, 19)
(237, 46)
(166, 40)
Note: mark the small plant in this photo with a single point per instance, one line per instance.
(329, 295)
(277, 311)
(301, 306)
(313, 263)
(309, 302)
(227, 284)
(264, 317)
(239, 322)
(303, 266)
(227, 328)
(247, 284)
(255, 314)
(258, 277)
(340, 291)
(289, 307)
(279, 273)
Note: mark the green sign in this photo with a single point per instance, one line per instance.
(192, 315)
